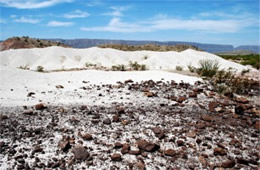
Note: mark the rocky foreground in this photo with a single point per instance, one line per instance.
(158, 125)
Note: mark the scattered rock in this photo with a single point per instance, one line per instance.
(28, 112)
(107, 121)
(64, 145)
(40, 106)
(59, 87)
(116, 157)
(219, 151)
(80, 153)
(257, 124)
(212, 106)
(125, 148)
(170, 152)
(242, 100)
(159, 133)
(147, 146)
(30, 94)
(149, 94)
(207, 117)
(86, 136)
(228, 164)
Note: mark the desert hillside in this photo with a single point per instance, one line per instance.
(26, 42)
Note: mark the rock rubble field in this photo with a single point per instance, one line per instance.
(134, 125)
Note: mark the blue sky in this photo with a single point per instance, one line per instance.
(234, 22)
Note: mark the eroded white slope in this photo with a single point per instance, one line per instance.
(52, 58)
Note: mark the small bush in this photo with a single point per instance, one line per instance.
(136, 66)
(208, 68)
(143, 67)
(40, 69)
(192, 68)
(120, 67)
(25, 67)
(178, 68)
(87, 64)
(227, 82)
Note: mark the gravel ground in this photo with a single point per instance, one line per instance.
(147, 125)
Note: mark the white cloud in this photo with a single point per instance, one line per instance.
(27, 20)
(165, 23)
(13, 16)
(59, 24)
(92, 3)
(116, 25)
(31, 4)
(77, 14)
(117, 11)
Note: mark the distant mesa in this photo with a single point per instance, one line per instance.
(26, 42)
(130, 45)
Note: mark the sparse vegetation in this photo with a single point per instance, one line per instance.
(249, 59)
(119, 67)
(178, 68)
(192, 68)
(208, 68)
(150, 47)
(24, 67)
(40, 69)
(227, 82)
(87, 64)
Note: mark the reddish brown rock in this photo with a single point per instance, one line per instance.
(257, 124)
(86, 136)
(212, 106)
(125, 148)
(242, 100)
(40, 106)
(219, 151)
(115, 118)
(170, 152)
(147, 146)
(80, 153)
(159, 133)
(116, 157)
(181, 99)
(118, 145)
(228, 164)
(149, 94)
(207, 117)
(193, 94)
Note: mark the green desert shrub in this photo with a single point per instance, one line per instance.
(178, 68)
(40, 69)
(228, 82)
(136, 66)
(208, 68)
(119, 67)
(191, 68)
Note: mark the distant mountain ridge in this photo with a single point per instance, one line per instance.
(212, 48)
